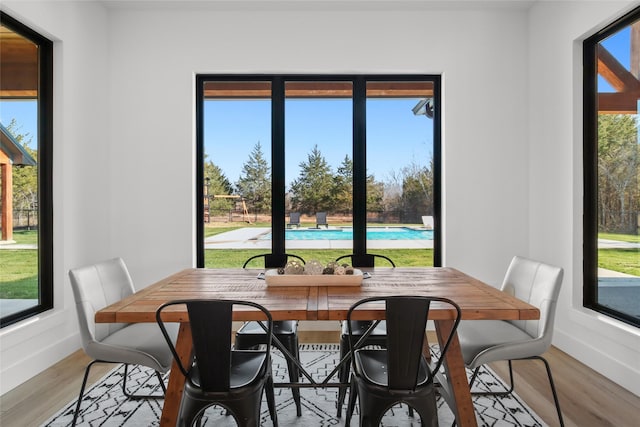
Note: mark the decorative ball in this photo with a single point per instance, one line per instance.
(313, 267)
(340, 271)
(333, 265)
(294, 267)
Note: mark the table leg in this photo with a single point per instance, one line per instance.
(176, 379)
(426, 350)
(456, 376)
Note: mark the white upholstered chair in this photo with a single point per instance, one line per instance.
(97, 286)
(484, 341)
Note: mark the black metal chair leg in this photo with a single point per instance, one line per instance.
(511, 386)
(492, 393)
(353, 396)
(291, 344)
(553, 388)
(84, 384)
(137, 396)
(124, 388)
(271, 401)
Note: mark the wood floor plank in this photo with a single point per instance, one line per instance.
(33, 402)
(587, 398)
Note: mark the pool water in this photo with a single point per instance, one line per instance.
(346, 233)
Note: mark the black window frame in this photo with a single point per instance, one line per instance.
(45, 171)
(277, 152)
(590, 169)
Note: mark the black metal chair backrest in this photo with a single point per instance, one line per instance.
(365, 260)
(273, 260)
(406, 318)
(211, 325)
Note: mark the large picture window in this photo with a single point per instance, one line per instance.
(319, 167)
(26, 255)
(612, 170)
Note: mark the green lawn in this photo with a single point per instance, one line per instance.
(26, 237)
(631, 238)
(225, 258)
(621, 260)
(19, 268)
(19, 274)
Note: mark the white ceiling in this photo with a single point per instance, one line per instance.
(319, 4)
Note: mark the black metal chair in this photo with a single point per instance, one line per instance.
(366, 260)
(216, 374)
(272, 260)
(399, 373)
(378, 336)
(251, 334)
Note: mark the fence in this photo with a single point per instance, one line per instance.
(380, 217)
(617, 222)
(25, 219)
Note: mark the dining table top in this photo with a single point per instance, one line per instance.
(314, 301)
(476, 299)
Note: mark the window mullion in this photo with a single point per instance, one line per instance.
(359, 167)
(277, 167)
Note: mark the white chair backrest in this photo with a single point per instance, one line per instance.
(95, 287)
(539, 285)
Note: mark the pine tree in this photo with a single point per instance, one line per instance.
(312, 191)
(254, 184)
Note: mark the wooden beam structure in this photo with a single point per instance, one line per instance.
(294, 89)
(19, 64)
(614, 72)
(6, 198)
(625, 82)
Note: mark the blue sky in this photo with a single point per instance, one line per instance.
(395, 136)
(25, 112)
(618, 45)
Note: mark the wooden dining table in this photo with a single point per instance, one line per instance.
(476, 299)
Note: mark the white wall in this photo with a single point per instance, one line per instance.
(555, 183)
(81, 177)
(481, 54)
(126, 82)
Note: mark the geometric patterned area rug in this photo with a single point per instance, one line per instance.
(104, 404)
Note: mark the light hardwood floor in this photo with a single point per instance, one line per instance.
(586, 397)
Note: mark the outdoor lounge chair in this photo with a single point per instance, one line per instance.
(427, 221)
(321, 219)
(294, 220)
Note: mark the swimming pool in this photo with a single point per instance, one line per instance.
(346, 233)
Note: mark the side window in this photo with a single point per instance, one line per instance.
(612, 170)
(26, 282)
